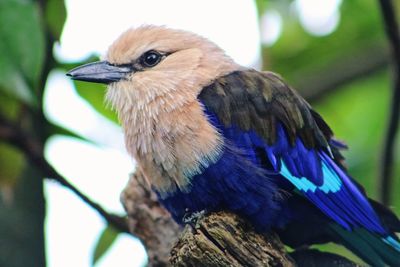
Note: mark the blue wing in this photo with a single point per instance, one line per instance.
(277, 129)
(312, 172)
(316, 176)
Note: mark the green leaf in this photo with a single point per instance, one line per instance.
(10, 107)
(56, 14)
(105, 241)
(21, 49)
(12, 162)
(94, 94)
(12, 81)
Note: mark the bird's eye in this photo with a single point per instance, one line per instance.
(151, 58)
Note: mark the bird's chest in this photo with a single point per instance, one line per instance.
(172, 147)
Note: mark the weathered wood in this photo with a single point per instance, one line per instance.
(224, 239)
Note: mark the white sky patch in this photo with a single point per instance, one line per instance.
(93, 25)
(71, 223)
(99, 172)
(63, 106)
(318, 17)
(117, 254)
(271, 27)
(72, 228)
(59, 94)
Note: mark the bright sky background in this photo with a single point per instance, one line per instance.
(101, 172)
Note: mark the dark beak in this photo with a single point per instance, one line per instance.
(100, 72)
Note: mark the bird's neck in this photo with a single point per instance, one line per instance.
(171, 145)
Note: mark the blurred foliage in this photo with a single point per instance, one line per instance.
(12, 162)
(298, 53)
(23, 58)
(356, 111)
(22, 214)
(56, 14)
(25, 62)
(22, 54)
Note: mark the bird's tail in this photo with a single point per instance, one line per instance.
(372, 248)
(316, 228)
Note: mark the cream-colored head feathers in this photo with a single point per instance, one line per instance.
(194, 62)
(165, 127)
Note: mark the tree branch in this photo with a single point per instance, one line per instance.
(148, 221)
(392, 31)
(315, 86)
(224, 239)
(33, 150)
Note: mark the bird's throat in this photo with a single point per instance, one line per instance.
(173, 146)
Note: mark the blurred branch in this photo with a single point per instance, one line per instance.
(148, 221)
(33, 150)
(317, 85)
(48, 61)
(392, 31)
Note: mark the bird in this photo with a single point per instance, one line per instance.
(209, 134)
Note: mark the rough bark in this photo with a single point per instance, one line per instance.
(224, 239)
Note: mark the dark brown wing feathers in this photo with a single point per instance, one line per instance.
(259, 100)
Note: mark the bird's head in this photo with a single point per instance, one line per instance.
(150, 65)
